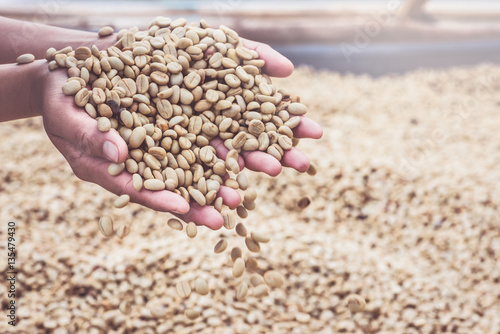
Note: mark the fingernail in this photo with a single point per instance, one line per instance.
(110, 151)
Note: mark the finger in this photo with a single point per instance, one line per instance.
(307, 128)
(229, 196)
(95, 170)
(295, 159)
(262, 162)
(222, 151)
(81, 129)
(203, 215)
(277, 65)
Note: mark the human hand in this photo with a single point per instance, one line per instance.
(89, 151)
(276, 66)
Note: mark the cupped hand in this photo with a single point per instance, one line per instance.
(276, 66)
(89, 152)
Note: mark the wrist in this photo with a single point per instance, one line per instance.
(39, 73)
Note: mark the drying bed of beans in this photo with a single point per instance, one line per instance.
(415, 234)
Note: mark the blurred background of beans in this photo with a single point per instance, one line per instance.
(404, 206)
(361, 36)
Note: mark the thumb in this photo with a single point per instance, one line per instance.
(107, 145)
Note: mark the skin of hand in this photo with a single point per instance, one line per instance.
(89, 151)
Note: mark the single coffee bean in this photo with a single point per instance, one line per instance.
(273, 279)
(106, 226)
(238, 267)
(241, 230)
(304, 202)
(105, 31)
(242, 212)
(71, 87)
(312, 170)
(236, 253)
(122, 201)
(183, 289)
(242, 182)
(25, 58)
(256, 279)
(229, 220)
(125, 307)
(158, 312)
(285, 142)
(220, 246)
(154, 184)
(191, 314)
(250, 195)
(259, 237)
(252, 264)
(103, 124)
(122, 231)
(297, 109)
(201, 286)
(191, 230)
(137, 137)
(137, 182)
(115, 169)
(82, 97)
(249, 205)
(260, 291)
(175, 224)
(242, 291)
(355, 303)
(82, 53)
(252, 245)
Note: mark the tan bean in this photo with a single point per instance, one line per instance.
(137, 137)
(273, 279)
(252, 264)
(258, 237)
(105, 31)
(355, 303)
(312, 169)
(220, 246)
(125, 307)
(154, 184)
(106, 226)
(297, 109)
(122, 201)
(115, 169)
(191, 314)
(25, 58)
(175, 224)
(242, 212)
(201, 286)
(236, 253)
(238, 267)
(122, 231)
(242, 291)
(183, 289)
(197, 196)
(252, 245)
(260, 291)
(191, 230)
(241, 230)
(229, 221)
(137, 182)
(256, 279)
(71, 87)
